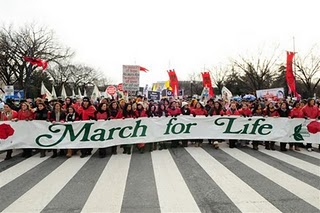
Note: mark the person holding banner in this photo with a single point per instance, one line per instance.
(271, 111)
(232, 111)
(199, 110)
(114, 113)
(57, 115)
(71, 116)
(127, 113)
(8, 114)
(162, 111)
(25, 113)
(140, 112)
(174, 111)
(310, 111)
(284, 111)
(185, 110)
(152, 112)
(296, 112)
(41, 113)
(86, 112)
(102, 114)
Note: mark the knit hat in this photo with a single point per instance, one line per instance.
(184, 104)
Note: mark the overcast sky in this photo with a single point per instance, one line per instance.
(187, 36)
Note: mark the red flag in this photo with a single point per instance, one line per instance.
(143, 69)
(36, 61)
(206, 81)
(291, 81)
(174, 83)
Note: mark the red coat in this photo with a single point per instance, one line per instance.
(274, 113)
(25, 115)
(245, 112)
(86, 114)
(5, 118)
(142, 114)
(175, 111)
(199, 111)
(310, 112)
(296, 113)
(229, 112)
(101, 116)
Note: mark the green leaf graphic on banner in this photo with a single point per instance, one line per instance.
(297, 136)
(297, 129)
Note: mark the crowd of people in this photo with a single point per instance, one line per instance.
(106, 109)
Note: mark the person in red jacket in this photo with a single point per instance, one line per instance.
(232, 111)
(310, 111)
(199, 110)
(86, 112)
(127, 113)
(174, 110)
(102, 114)
(8, 114)
(25, 113)
(296, 112)
(245, 111)
(140, 112)
(114, 113)
(271, 111)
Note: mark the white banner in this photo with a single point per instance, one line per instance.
(95, 134)
(131, 78)
(274, 93)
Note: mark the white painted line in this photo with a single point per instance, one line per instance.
(311, 168)
(314, 154)
(174, 194)
(47, 188)
(241, 194)
(15, 171)
(107, 195)
(302, 190)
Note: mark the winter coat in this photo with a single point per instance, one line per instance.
(296, 113)
(86, 113)
(52, 116)
(25, 115)
(310, 111)
(41, 114)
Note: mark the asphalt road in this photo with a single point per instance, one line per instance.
(192, 179)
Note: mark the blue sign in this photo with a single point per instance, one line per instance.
(18, 95)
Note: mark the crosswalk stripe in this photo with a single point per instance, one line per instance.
(82, 183)
(51, 185)
(297, 187)
(313, 169)
(207, 193)
(111, 185)
(14, 172)
(242, 195)
(173, 193)
(311, 154)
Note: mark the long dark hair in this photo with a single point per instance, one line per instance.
(128, 113)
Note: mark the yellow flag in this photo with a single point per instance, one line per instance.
(167, 85)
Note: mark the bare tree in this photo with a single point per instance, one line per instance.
(31, 41)
(258, 72)
(219, 76)
(308, 71)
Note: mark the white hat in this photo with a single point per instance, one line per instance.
(184, 104)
